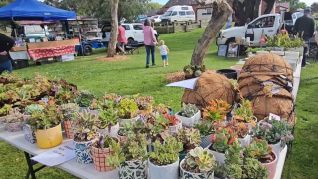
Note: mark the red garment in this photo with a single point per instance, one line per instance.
(122, 35)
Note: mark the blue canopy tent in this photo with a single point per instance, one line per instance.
(34, 10)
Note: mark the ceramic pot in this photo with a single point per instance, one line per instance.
(50, 137)
(189, 122)
(135, 169)
(170, 171)
(186, 174)
(82, 152)
(29, 134)
(13, 126)
(271, 167)
(110, 132)
(245, 141)
(68, 129)
(174, 129)
(99, 158)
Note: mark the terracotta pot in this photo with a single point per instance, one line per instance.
(174, 129)
(135, 169)
(68, 129)
(271, 167)
(13, 126)
(189, 121)
(50, 137)
(110, 132)
(186, 174)
(170, 171)
(99, 158)
(83, 152)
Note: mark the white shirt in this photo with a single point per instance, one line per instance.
(163, 50)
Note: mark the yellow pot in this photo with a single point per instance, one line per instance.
(49, 138)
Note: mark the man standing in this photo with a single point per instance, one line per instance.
(305, 28)
(6, 43)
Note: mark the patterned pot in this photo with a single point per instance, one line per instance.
(271, 167)
(82, 152)
(99, 157)
(174, 129)
(110, 132)
(170, 171)
(135, 169)
(205, 141)
(189, 175)
(68, 129)
(13, 126)
(189, 121)
(29, 134)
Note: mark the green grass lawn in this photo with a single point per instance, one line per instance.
(131, 77)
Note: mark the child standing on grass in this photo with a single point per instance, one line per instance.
(164, 53)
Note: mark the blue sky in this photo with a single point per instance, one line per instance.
(160, 1)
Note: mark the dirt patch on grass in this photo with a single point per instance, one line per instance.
(175, 76)
(116, 58)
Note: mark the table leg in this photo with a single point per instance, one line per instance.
(30, 166)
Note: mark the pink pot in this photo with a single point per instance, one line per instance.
(271, 167)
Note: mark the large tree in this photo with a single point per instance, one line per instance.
(111, 51)
(314, 7)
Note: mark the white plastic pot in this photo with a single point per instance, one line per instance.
(186, 174)
(219, 157)
(113, 131)
(174, 129)
(277, 148)
(245, 141)
(170, 171)
(189, 122)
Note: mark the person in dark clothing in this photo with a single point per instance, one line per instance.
(305, 28)
(6, 43)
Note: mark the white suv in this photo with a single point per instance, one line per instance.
(134, 32)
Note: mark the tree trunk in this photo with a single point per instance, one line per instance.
(111, 51)
(221, 12)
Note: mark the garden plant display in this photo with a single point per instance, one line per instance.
(189, 115)
(108, 121)
(127, 111)
(69, 110)
(14, 120)
(206, 129)
(189, 137)
(199, 164)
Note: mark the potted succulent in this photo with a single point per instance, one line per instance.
(108, 122)
(4, 110)
(84, 99)
(237, 166)
(69, 110)
(198, 164)
(276, 133)
(131, 157)
(206, 129)
(244, 113)
(127, 111)
(190, 139)
(164, 160)
(85, 134)
(123, 132)
(189, 115)
(29, 134)
(47, 126)
(221, 141)
(144, 103)
(260, 150)
(101, 150)
(242, 131)
(14, 120)
(216, 111)
(175, 124)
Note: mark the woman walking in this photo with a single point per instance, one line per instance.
(150, 42)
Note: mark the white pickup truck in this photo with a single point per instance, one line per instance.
(268, 24)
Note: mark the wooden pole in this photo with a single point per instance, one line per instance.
(111, 51)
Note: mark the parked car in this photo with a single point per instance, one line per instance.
(156, 18)
(141, 18)
(134, 32)
(178, 13)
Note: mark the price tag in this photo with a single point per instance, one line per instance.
(273, 117)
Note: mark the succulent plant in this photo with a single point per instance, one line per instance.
(223, 139)
(5, 109)
(14, 116)
(127, 109)
(205, 128)
(274, 131)
(244, 113)
(189, 137)
(85, 126)
(144, 102)
(199, 160)
(172, 119)
(216, 110)
(85, 98)
(240, 128)
(135, 148)
(188, 110)
(165, 153)
(105, 142)
(107, 118)
(49, 117)
(252, 168)
(69, 110)
(32, 108)
(260, 150)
